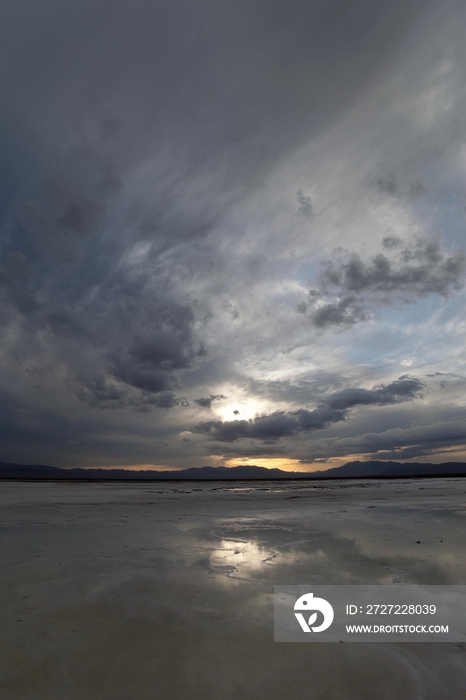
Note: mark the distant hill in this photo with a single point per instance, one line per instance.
(394, 469)
(351, 470)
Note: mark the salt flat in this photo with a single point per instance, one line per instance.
(120, 591)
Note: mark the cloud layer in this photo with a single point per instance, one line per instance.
(333, 410)
(195, 196)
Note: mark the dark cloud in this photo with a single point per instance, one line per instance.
(243, 83)
(206, 401)
(417, 189)
(99, 392)
(73, 211)
(333, 410)
(396, 187)
(152, 358)
(405, 388)
(345, 312)
(18, 283)
(358, 286)
(387, 185)
(228, 308)
(422, 269)
(143, 334)
(140, 230)
(269, 427)
(50, 237)
(392, 241)
(298, 391)
(431, 436)
(305, 205)
(165, 399)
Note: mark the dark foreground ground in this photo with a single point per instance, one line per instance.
(164, 591)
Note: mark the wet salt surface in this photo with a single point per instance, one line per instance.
(131, 591)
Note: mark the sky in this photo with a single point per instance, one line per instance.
(232, 232)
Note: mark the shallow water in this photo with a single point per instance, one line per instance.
(132, 591)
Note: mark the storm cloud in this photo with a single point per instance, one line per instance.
(173, 174)
(333, 410)
(98, 392)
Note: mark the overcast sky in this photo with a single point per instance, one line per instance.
(232, 232)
